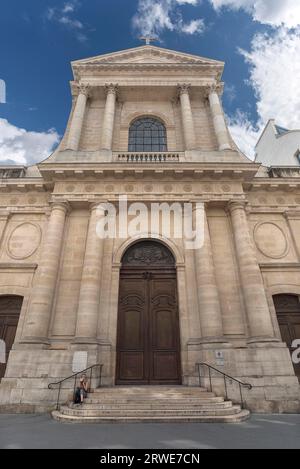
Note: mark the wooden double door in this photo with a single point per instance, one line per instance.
(148, 344)
(288, 315)
(10, 308)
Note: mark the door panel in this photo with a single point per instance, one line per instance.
(10, 307)
(148, 348)
(288, 315)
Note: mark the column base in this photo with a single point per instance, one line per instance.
(213, 342)
(263, 342)
(35, 341)
(226, 146)
(85, 341)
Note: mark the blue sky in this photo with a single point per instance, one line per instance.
(39, 39)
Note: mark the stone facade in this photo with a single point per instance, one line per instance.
(69, 278)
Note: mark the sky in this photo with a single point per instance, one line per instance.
(259, 40)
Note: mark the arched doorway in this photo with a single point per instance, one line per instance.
(10, 308)
(148, 342)
(288, 315)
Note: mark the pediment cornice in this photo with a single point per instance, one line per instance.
(146, 58)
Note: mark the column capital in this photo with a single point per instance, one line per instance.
(4, 214)
(63, 205)
(97, 205)
(183, 88)
(215, 88)
(84, 89)
(292, 214)
(112, 88)
(236, 205)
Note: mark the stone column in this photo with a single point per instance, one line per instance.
(187, 117)
(88, 306)
(39, 313)
(109, 116)
(218, 119)
(78, 118)
(4, 216)
(208, 296)
(258, 313)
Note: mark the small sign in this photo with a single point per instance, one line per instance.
(220, 360)
(80, 361)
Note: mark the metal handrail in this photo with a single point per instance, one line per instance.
(59, 383)
(225, 376)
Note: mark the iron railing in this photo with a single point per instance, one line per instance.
(89, 370)
(226, 377)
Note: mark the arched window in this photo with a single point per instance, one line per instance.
(147, 134)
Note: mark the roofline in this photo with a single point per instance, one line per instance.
(148, 47)
(265, 128)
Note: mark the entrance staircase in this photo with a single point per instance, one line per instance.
(155, 404)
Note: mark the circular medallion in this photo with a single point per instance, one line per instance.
(226, 188)
(89, 188)
(187, 188)
(148, 188)
(168, 188)
(129, 188)
(109, 188)
(70, 188)
(262, 200)
(32, 200)
(24, 240)
(271, 240)
(14, 200)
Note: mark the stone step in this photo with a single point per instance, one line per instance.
(145, 404)
(155, 390)
(151, 404)
(125, 407)
(232, 418)
(84, 412)
(177, 401)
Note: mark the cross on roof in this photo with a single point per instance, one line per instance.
(147, 39)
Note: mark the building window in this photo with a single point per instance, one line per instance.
(147, 134)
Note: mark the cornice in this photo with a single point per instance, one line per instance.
(81, 70)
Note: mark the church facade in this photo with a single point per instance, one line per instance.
(147, 125)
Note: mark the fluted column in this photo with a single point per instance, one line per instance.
(109, 116)
(218, 119)
(78, 118)
(187, 117)
(208, 296)
(39, 314)
(88, 305)
(258, 313)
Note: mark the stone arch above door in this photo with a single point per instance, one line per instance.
(175, 250)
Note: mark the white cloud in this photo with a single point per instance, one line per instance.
(23, 147)
(273, 12)
(155, 16)
(193, 27)
(274, 76)
(64, 16)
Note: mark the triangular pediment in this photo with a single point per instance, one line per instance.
(147, 55)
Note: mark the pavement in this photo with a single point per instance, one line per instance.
(40, 432)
